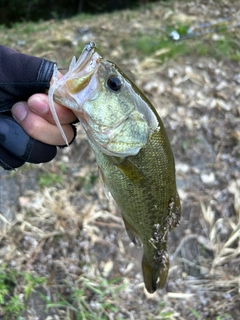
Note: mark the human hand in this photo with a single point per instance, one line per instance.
(31, 134)
(28, 134)
(36, 119)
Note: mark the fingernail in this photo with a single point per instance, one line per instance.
(38, 105)
(19, 111)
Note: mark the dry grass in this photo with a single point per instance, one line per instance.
(64, 228)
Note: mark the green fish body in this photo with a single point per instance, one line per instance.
(133, 153)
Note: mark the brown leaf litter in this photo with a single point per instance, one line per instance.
(72, 232)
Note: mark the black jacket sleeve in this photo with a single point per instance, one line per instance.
(21, 76)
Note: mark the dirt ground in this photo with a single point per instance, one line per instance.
(64, 228)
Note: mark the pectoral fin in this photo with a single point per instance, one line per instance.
(131, 171)
(103, 180)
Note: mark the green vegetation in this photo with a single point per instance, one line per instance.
(104, 299)
(223, 43)
(10, 302)
(15, 289)
(35, 10)
(87, 182)
(162, 315)
(164, 48)
(195, 314)
(219, 317)
(30, 281)
(49, 179)
(223, 46)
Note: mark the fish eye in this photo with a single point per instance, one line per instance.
(114, 83)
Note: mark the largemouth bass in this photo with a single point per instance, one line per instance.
(133, 153)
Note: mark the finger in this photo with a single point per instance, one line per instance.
(38, 103)
(38, 127)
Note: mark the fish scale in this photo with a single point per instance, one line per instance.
(152, 192)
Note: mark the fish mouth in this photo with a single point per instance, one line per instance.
(73, 86)
(84, 69)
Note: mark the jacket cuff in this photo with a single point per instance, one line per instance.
(45, 73)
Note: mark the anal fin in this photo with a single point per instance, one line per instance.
(132, 234)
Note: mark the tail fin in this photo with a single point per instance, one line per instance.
(155, 275)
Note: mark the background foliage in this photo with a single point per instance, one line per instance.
(24, 10)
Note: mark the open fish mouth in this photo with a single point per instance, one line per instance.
(87, 54)
(87, 62)
(75, 87)
(83, 69)
(65, 91)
